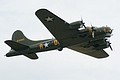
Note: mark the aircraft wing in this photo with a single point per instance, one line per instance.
(57, 26)
(89, 51)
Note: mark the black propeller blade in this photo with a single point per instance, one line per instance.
(83, 23)
(111, 47)
(93, 31)
(109, 44)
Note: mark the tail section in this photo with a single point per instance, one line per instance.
(19, 37)
(15, 46)
(20, 45)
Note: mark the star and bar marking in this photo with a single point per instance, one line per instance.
(49, 19)
(46, 45)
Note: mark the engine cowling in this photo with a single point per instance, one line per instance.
(99, 41)
(100, 44)
(75, 25)
(103, 46)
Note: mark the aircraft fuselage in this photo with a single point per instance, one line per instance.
(51, 44)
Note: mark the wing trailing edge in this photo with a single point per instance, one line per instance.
(88, 51)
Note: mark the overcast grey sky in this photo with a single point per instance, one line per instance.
(55, 65)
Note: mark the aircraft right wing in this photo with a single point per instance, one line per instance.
(57, 26)
(89, 51)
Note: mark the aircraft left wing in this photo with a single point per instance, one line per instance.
(89, 51)
(57, 26)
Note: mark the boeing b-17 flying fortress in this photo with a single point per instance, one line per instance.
(76, 36)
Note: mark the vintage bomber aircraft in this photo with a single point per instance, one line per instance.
(76, 36)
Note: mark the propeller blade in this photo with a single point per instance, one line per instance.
(111, 30)
(93, 34)
(106, 25)
(93, 31)
(81, 19)
(91, 25)
(83, 23)
(109, 44)
(111, 47)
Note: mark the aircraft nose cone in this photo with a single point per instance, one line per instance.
(107, 30)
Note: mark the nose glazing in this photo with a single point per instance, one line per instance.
(107, 30)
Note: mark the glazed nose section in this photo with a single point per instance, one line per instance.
(108, 30)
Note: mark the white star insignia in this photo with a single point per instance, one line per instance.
(46, 45)
(49, 19)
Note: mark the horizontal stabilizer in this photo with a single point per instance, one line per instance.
(15, 45)
(31, 56)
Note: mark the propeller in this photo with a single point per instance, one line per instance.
(92, 30)
(83, 23)
(93, 34)
(110, 47)
(109, 44)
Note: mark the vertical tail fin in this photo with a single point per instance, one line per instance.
(19, 37)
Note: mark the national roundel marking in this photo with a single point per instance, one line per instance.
(56, 42)
(41, 46)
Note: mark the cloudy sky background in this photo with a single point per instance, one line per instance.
(55, 65)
